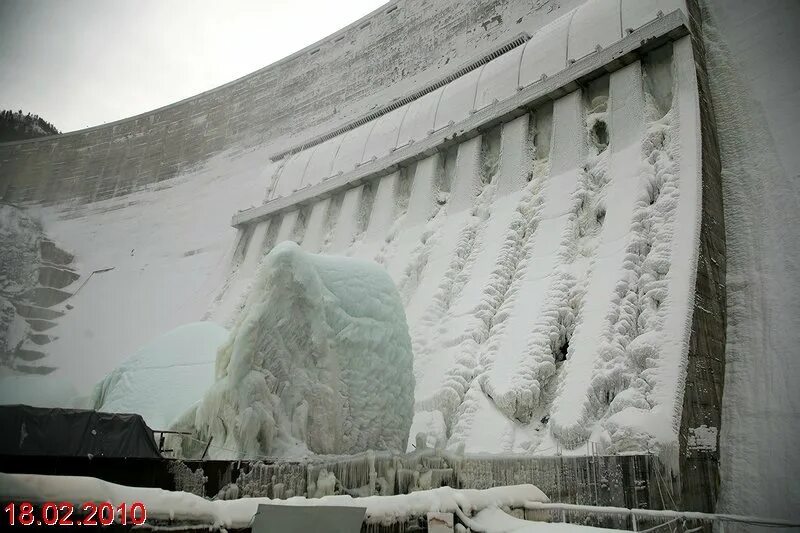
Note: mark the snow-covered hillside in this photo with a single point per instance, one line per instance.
(169, 246)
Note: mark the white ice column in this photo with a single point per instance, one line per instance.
(626, 130)
(515, 160)
(466, 183)
(422, 206)
(286, 229)
(316, 230)
(384, 208)
(348, 225)
(685, 241)
(422, 201)
(382, 219)
(255, 249)
(568, 140)
(510, 362)
(433, 263)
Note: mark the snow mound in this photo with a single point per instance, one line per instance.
(165, 377)
(183, 506)
(319, 360)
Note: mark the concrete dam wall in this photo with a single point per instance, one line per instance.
(537, 178)
(375, 59)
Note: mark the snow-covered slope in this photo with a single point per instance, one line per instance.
(168, 248)
(164, 378)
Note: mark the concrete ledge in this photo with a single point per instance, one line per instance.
(627, 50)
(413, 95)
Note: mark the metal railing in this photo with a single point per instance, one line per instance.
(685, 521)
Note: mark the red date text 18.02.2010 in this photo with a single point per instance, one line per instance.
(86, 514)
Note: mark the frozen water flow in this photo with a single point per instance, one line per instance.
(319, 360)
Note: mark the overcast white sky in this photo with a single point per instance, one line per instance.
(79, 63)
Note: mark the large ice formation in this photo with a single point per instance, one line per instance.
(180, 506)
(165, 377)
(319, 360)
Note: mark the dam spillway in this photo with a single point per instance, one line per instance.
(539, 192)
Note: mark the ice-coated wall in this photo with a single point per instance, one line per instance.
(496, 241)
(546, 265)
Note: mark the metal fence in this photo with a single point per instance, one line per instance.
(647, 520)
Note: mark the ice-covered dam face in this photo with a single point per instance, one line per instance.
(531, 182)
(545, 250)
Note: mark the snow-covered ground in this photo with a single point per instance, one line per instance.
(755, 87)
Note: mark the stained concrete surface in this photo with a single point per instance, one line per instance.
(755, 88)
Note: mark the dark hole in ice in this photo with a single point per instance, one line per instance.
(600, 135)
(600, 215)
(609, 397)
(654, 194)
(561, 353)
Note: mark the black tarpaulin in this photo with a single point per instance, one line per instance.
(26, 430)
